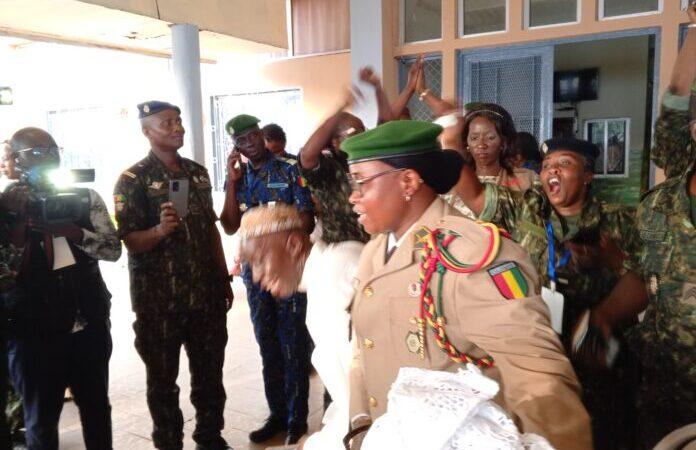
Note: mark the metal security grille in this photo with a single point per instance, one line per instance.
(518, 78)
(513, 84)
(432, 67)
(281, 107)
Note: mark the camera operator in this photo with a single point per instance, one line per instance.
(58, 309)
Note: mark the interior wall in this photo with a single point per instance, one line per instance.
(623, 80)
(322, 79)
(623, 77)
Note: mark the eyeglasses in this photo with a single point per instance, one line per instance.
(357, 183)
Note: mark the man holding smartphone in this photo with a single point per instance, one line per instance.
(165, 216)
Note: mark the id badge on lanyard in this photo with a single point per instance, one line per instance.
(554, 299)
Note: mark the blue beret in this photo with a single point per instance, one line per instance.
(153, 107)
(584, 148)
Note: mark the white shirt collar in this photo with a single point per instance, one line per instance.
(393, 243)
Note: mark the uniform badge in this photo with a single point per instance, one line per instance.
(156, 185)
(146, 108)
(119, 202)
(653, 284)
(414, 289)
(509, 280)
(301, 181)
(129, 174)
(277, 185)
(412, 342)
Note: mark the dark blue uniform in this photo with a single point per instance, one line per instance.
(279, 324)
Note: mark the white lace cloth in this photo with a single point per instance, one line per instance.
(431, 410)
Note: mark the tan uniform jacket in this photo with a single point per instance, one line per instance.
(538, 385)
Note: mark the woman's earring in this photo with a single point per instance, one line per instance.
(408, 198)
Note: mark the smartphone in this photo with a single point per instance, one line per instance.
(178, 195)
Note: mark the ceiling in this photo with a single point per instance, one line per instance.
(82, 23)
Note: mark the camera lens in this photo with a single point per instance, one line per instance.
(175, 186)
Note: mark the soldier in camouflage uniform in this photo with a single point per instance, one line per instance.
(325, 168)
(596, 265)
(10, 258)
(667, 334)
(673, 149)
(180, 289)
(279, 324)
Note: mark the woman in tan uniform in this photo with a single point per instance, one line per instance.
(436, 290)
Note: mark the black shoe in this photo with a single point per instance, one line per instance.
(272, 427)
(294, 435)
(218, 444)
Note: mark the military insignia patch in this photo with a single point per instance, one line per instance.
(119, 202)
(129, 174)
(156, 185)
(509, 280)
(301, 181)
(146, 109)
(412, 342)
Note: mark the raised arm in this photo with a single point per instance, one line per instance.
(470, 190)
(231, 216)
(684, 70)
(384, 111)
(321, 138)
(398, 107)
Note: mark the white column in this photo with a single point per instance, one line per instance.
(186, 64)
(366, 49)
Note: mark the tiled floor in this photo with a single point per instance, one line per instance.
(245, 409)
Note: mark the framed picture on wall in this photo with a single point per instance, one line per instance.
(612, 137)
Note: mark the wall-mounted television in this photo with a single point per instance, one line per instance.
(576, 85)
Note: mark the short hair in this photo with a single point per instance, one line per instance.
(274, 132)
(527, 146)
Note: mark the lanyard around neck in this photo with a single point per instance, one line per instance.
(552, 266)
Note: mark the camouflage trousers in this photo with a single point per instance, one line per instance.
(284, 342)
(158, 340)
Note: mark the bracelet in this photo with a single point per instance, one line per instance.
(423, 94)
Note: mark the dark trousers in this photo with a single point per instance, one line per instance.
(158, 341)
(41, 367)
(280, 330)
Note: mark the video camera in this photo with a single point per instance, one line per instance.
(52, 198)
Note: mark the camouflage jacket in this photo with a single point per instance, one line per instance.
(176, 275)
(673, 150)
(328, 183)
(668, 330)
(525, 215)
(10, 256)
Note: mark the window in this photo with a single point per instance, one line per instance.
(482, 16)
(614, 8)
(541, 13)
(319, 26)
(421, 20)
(283, 107)
(612, 138)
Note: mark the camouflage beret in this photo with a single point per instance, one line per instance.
(241, 124)
(269, 219)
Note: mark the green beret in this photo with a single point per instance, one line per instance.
(397, 138)
(241, 124)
